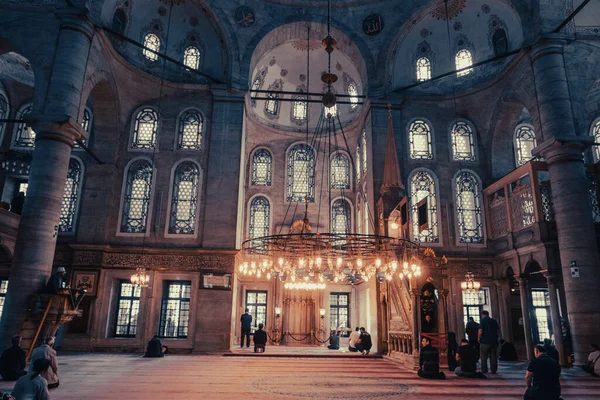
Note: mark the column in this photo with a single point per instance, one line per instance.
(526, 319)
(551, 277)
(416, 298)
(570, 195)
(56, 129)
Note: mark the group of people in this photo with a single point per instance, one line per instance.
(260, 335)
(32, 383)
(359, 341)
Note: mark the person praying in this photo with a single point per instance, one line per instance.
(354, 336)
(467, 358)
(429, 361)
(364, 342)
(33, 386)
(46, 351)
(334, 341)
(542, 377)
(260, 339)
(155, 348)
(246, 321)
(508, 352)
(12, 361)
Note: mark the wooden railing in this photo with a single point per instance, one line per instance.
(400, 343)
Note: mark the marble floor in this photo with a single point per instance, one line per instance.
(180, 377)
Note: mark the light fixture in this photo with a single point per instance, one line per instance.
(322, 312)
(277, 312)
(304, 286)
(470, 285)
(140, 278)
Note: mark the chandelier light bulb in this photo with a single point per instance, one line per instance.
(394, 265)
(301, 262)
(405, 265)
(409, 275)
(395, 225)
(359, 262)
(378, 262)
(318, 261)
(339, 261)
(280, 261)
(401, 275)
(293, 278)
(268, 276)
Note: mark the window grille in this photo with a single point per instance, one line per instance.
(419, 137)
(541, 310)
(463, 143)
(340, 171)
(340, 217)
(145, 129)
(339, 311)
(68, 206)
(261, 168)
(175, 310)
(469, 216)
(152, 42)
(301, 174)
(128, 307)
(86, 124)
(423, 69)
(3, 290)
(330, 112)
(184, 201)
(424, 208)
(260, 217)
(500, 42)
(136, 200)
(473, 303)
(525, 142)
(24, 135)
(299, 109)
(190, 131)
(357, 165)
(352, 91)
(463, 59)
(191, 57)
(272, 104)
(596, 135)
(364, 152)
(3, 111)
(593, 192)
(256, 303)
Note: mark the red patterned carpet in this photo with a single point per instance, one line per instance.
(111, 376)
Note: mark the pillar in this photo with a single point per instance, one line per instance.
(526, 317)
(551, 278)
(56, 128)
(562, 150)
(416, 297)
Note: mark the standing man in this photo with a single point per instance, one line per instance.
(471, 329)
(488, 340)
(246, 326)
(542, 377)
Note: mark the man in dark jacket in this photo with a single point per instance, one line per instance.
(542, 377)
(471, 330)
(12, 361)
(364, 342)
(488, 342)
(429, 361)
(155, 348)
(334, 341)
(551, 350)
(246, 326)
(260, 339)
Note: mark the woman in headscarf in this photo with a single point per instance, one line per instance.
(32, 386)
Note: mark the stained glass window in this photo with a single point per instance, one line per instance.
(151, 42)
(463, 59)
(256, 303)
(190, 131)
(500, 42)
(260, 217)
(419, 137)
(330, 112)
(261, 167)
(340, 171)
(593, 193)
(463, 145)
(524, 144)
(364, 152)
(357, 164)
(191, 57)
(86, 124)
(340, 217)
(353, 92)
(299, 109)
(68, 206)
(175, 310)
(3, 290)
(595, 134)
(272, 104)
(184, 200)
(301, 174)
(145, 129)
(423, 206)
(128, 308)
(3, 111)
(136, 199)
(24, 135)
(423, 69)
(469, 216)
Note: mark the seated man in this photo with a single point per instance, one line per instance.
(551, 350)
(33, 386)
(334, 341)
(46, 351)
(593, 366)
(364, 342)
(508, 351)
(12, 361)
(260, 339)
(155, 348)
(466, 355)
(354, 336)
(58, 280)
(429, 361)
(542, 377)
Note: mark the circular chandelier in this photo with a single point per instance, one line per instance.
(140, 278)
(470, 285)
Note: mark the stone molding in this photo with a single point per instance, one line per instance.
(460, 269)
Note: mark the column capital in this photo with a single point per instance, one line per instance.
(223, 94)
(557, 149)
(553, 277)
(548, 44)
(61, 128)
(76, 19)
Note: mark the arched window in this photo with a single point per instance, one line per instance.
(145, 129)
(70, 201)
(119, 21)
(524, 143)
(259, 222)
(423, 206)
(151, 42)
(500, 42)
(340, 217)
(24, 136)
(330, 112)
(352, 91)
(340, 171)
(463, 142)
(463, 59)
(364, 152)
(357, 162)
(595, 134)
(469, 217)
(299, 109)
(301, 174)
(261, 168)
(191, 57)
(184, 199)
(190, 131)
(419, 138)
(86, 124)
(136, 199)
(423, 69)
(4, 111)
(272, 104)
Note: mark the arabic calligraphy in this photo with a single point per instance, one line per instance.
(373, 24)
(244, 16)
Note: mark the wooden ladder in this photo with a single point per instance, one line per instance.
(30, 330)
